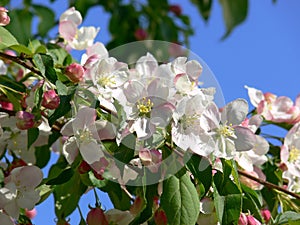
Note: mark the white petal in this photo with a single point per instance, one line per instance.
(70, 149)
(91, 151)
(245, 138)
(193, 69)
(235, 112)
(27, 177)
(28, 199)
(146, 65)
(143, 128)
(256, 96)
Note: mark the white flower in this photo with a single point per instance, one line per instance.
(19, 190)
(3, 68)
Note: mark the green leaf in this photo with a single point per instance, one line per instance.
(228, 207)
(67, 195)
(46, 19)
(42, 155)
(117, 196)
(180, 200)
(1, 176)
(32, 135)
(234, 13)
(96, 182)
(44, 191)
(20, 25)
(63, 108)
(201, 168)
(251, 202)
(21, 49)
(287, 217)
(204, 7)
(13, 99)
(46, 66)
(6, 38)
(63, 177)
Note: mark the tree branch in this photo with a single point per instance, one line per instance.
(268, 184)
(20, 62)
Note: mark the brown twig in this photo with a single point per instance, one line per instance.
(20, 62)
(268, 184)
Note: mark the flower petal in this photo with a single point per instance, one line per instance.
(91, 151)
(235, 112)
(245, 138)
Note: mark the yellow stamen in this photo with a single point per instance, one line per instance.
(144, 106)
(294, 154)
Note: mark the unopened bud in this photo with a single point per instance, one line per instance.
(176, 9)
(4, 18)
(243, 219)
(25, 120)
(96, 216)
(252, 221)
(160, 217)
(266, 214)
(140, 34)
(75, 72)
(50, 100)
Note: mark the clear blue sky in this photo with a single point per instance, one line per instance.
(263, 52)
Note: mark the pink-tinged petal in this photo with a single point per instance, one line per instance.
(129, 174)
(70, 149)
(12, 209)
(143, 128)
(205, 145)
(105, 130)
(85, 118)
(158, 90)
(255, 95)
(91, 151)
(193, 70)
(255, 122)
(146, 65)
(183, 83)
(84, 38)
(245, 138)
(97, 49)
(28, 199)
(297, 101)
(261, 146)
(72, 15)
(145, 156)
(67, 30)
(27, 176)
(134, 91)
(235, 112)
(161, 115)
(67, 129)
(5, 219)
(210, 118)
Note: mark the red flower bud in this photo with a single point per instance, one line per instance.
(30, 213)
(96, 216)
(140, 34)
(266, 214)
(160, 217)
(176, 9)
(75, 72)
(25, 120)
(7, 105)
(243, 219)
(4, 18)
(50, 100)
(84, 167)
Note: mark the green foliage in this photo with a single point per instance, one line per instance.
(6, 38)
(180, 200)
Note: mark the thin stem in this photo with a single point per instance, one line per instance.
(268, 184)
(20, 62)
(97, 198)
(80, 213)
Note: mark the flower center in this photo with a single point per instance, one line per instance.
(226, 130)
(188, 121)
(106, 81)
(145, 105)
(294, 154)
(85, 135)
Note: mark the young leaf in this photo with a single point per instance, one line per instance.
(204, 7)
(42, 155)
(180, 200)
(6, 38)
(32, 135)
(46, 66)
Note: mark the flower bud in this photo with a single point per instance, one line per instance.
(266, 214)
(96, 216)
(84, 167)
(50, 100)
(4, 18)
(75, 72)
(243, 219)
(252, 221)
(7, 106)
(140, 34)
(176, 9)
(25, 120)
(160, 217)
(30, 213)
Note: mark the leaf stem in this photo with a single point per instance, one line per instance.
(268, 184)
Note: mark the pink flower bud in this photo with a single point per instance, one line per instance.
(96, 216)
(266, 214)
(75, 72)
(30, 213)
(84, 167)
(7, 106)
(4, 18)
(160, 217)
(50, 99)
(25, 120)
(252, 221)
(176, 9)
(140, 34)
(243, 219)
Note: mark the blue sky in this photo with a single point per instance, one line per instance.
(263, 52)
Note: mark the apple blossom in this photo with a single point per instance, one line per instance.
(68, 29)
(3, 68)
(4, 18)
(5, 219)
(266, 214)
(151, 159)
(25, 120)
(19, 190)
(31, 213)
(226, 130)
